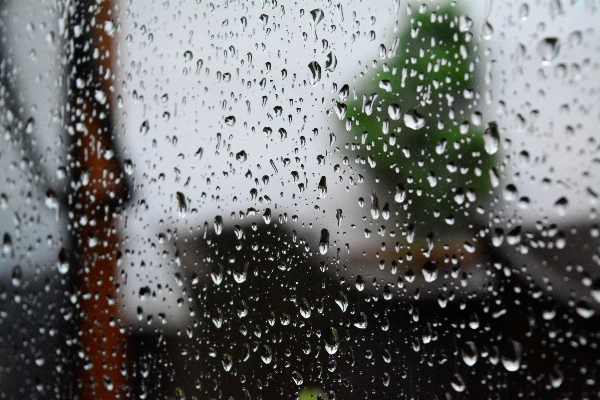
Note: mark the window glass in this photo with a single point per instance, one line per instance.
(387, 199)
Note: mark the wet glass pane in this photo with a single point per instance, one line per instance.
(259, 200)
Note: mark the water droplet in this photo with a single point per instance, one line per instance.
(332, 341)
(374, 206)
(414, 120)
(230, 120)
(181, 205)
(497, 237)
(360, 283)
(322, 187)
(584, 310)
(469, 353)
(218, 224)
(324, 242)
(267, 216)
(110, 27)
(491, 138)
(548, 48)
(217, 273)
(227, 361)
(144, 128)
(561, 206)
(400, 195)
(342, 301)
(240, 273)
(556, 377)
(511, 358)
(487, 30)
(394, 111)
(241, 156)
(464, 23)
(128, 166)
(361, 322)
(298, 380)
(17, 276)
(108, 383)
(510, 192)
(63, 261)
(344, 92)
(430, 271)
(457, 383)
(315, 73)
(331, 62)
(266, 354)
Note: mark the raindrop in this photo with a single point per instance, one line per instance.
(218, 224)
(511, 359)
(374, 206)
(400, 195)
(181, 204)
(487, 30)
(324, 242)
(63, 261)
(298, 380)
(128, 166)
(413, 120)
(241, 273)
(360, 283)
(230, 120)
(332, 341)
(17, 276)
(491, 138)
(561, 206)
(361, 323)
(241, 156)
(266, 354)
(144, 128)
(430, 271)
(217, 273)
(469, 353)
(305, 309)
(331, 62)
(548, 48)
(322, 188)
(394, 112)
(315, 73)
(227, 361)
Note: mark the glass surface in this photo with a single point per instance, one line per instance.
(385, 199)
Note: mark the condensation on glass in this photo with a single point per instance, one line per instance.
(321, 200)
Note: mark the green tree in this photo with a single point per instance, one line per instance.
(415, 121)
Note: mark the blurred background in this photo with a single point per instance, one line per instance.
(249, 200)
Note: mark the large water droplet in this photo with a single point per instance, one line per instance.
(430, 271)
(511, 358)
(324, 242)
(548, 48)
(414, 120)
(315, 73)
(469, 353)
(491, 138)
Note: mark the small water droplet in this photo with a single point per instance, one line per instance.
(181, 205)
(63, 261)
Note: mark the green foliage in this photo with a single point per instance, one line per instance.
(434, 74)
